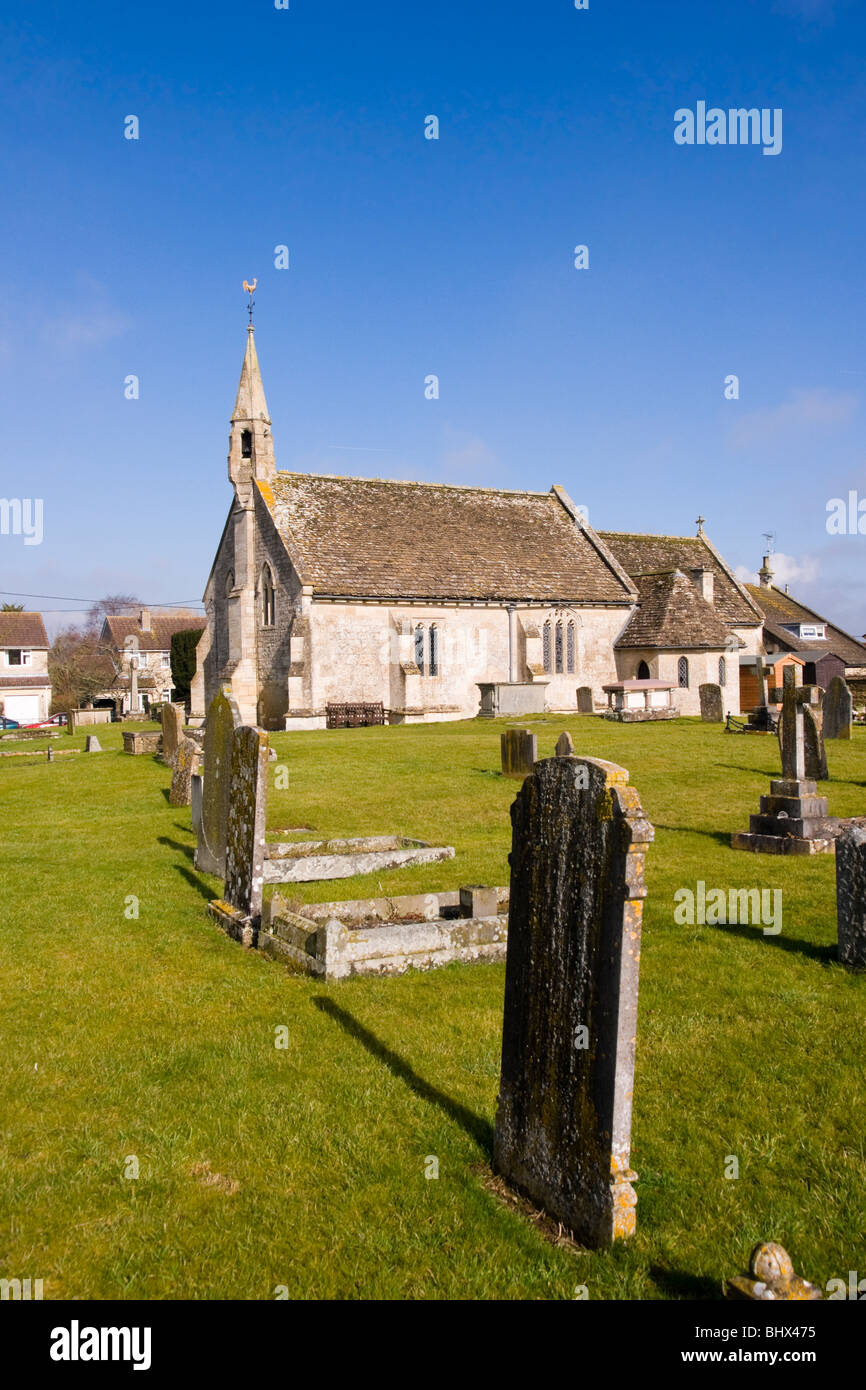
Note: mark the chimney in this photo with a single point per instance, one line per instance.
(144, 620)
(703, 580)
(765, 574)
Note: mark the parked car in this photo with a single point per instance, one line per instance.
(8, 723)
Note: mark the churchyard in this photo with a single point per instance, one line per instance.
(186, 1119)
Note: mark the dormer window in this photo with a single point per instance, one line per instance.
(246, 444)
(815, 631)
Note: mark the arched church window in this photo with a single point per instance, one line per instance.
(683, 673)
(558, 648)
(723, 670)
(546, 654)
(643, 671)
(268, 604)
(419, 648)
(246, 444)
(433, 649)
(569, 649)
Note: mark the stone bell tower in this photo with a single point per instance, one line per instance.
(250, 458)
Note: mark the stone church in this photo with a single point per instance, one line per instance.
(329, 590)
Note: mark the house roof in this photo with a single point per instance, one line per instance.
(118, 627)
(23, 630)
(371, 537)
(645, 554)
(672, 614)
(780, 608)
(40, 680)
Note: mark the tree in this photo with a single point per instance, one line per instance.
(183, 645)
(12, 608)
(110, 605)
(81, 668)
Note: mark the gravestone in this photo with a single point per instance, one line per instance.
(195, 789)
(584, 699)
(245, 839)
(92, 744)
(712, 711)
(172, 732)
(563, 1123)
(519, 751)
(851, 897)
(565, 745)
(816, 756)
(838, 709)
(186, 762)
(223, 717)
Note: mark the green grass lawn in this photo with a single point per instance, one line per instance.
(154, 1037)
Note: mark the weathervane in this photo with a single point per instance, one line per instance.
(251, 289)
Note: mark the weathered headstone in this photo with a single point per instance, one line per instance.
(519, 751)
(816, 755)
(584, 699)
(851, 897)
(712, 711)
(792, 727)
(771, 1278)
(186, 763)
(565, 745)
(92, 744)
(172, 732)
(245, 841)
(838, 709)
(195, 790)
(563, 1124)
(223, 717)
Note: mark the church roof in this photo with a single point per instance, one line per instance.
(672, 614)
(644, 554)
(780, 608)
(371, 537)
(22, 630)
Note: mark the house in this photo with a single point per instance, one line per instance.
(141, 647)
(25, 686)
(693, 619)
(824, 649)
(330, 590)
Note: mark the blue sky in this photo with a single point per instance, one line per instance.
(305, 127)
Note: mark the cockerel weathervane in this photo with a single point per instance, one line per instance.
(251, 289)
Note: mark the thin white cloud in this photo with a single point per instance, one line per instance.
(86, 329)
(787, 569)
(816, 410)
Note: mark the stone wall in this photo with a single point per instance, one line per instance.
(703, 668)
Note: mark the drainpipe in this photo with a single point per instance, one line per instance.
(512, 641)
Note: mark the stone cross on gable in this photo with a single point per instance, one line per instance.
(794, 700)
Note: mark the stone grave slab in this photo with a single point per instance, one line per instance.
(712, 709)
(851, 897)
(223, 717)
(838, 709)
(519, 751)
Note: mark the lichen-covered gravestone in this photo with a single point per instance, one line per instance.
(519, 750)
(563, 1125)
(565, 745)
(172, 732)
(223, 717)
(712, 711)
(838, 709)
(801, 742)
(245, 841)
(851, 897)
(816, 754)
(186, 762)
(584, 699)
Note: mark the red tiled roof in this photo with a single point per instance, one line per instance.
(158, 639)
(23, 630)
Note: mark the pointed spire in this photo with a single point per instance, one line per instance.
(250, 403)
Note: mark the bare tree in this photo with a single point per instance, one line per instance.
(109, 606)
(81, 668)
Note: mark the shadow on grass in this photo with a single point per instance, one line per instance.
(677, 1283)
(198, 883)
(824, 954)
(723, 836)
(477, 1128)
(188, 850)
